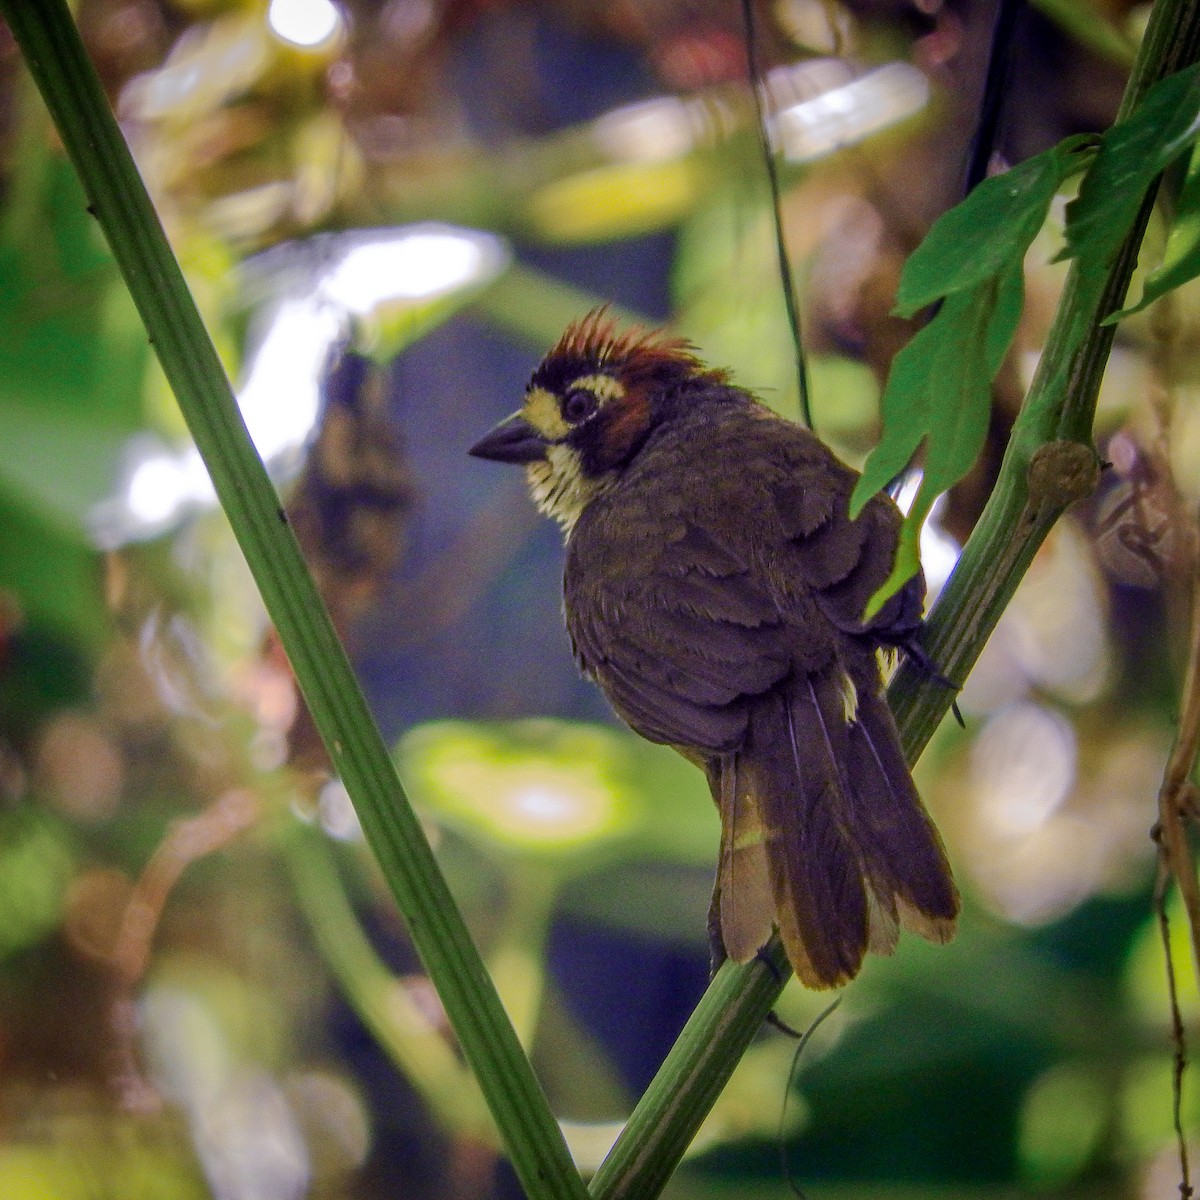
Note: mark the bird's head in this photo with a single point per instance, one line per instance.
(590, 406)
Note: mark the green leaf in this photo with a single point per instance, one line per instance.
(939, 391)
(939, 385)
(1181, 259)
(908, 557)
(1007, 303)
(989, 230)
(1132, 154)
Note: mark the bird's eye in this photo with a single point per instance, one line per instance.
(578, 405)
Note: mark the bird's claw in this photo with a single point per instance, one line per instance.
(922, 660)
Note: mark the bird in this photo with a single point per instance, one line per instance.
(714, 587)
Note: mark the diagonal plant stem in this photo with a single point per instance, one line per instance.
(56, 57)
(758, 90)
(1176, 805)
(1050, 463)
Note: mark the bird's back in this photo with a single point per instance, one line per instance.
(732, 495)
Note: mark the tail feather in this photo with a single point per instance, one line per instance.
(903, 853)
(743, 904)
(792, 758)
(849, 851)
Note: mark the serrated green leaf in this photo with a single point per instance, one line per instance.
(1181, 258)
(939, 391)
(1008, 301)
(966, 367)
(990, 229)
(940, 381)
(1132, 154)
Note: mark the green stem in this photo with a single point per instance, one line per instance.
(52, 48)
(693, 1075)
(378, 997)
(518, 957)
(1059, 409)
(1056, 419)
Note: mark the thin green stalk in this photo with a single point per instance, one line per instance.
(47, 36)
(1049, 464)
(518, 954)
(375, 993)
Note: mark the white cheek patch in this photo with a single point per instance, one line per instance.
(558, 486)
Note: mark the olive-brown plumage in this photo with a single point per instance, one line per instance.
(714, 588)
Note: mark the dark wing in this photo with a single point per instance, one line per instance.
(845, 562)
(677, 632)
(689, 593)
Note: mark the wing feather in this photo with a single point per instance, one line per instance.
(902, 853)
(677, 656)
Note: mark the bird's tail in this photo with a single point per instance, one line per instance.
(822, 824)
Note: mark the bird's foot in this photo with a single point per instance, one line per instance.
(922, 660)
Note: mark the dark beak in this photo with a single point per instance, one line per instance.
(512, 441)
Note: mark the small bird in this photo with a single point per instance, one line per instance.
(714, 588)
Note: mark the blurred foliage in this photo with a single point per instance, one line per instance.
(203, 989)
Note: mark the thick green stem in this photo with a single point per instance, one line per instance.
(692, 1076)
(1050, 462)
(47, 36)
